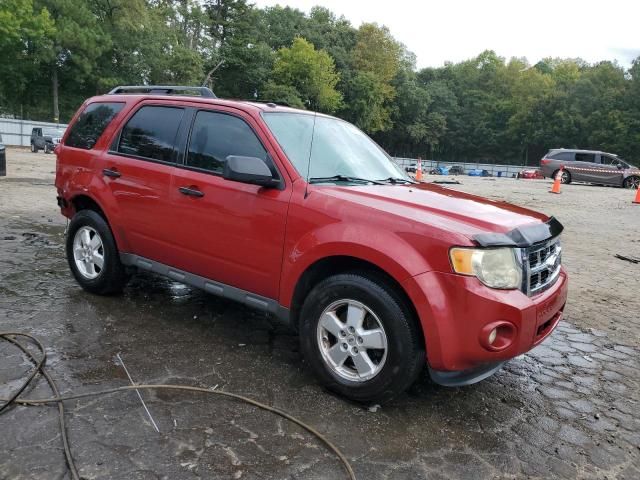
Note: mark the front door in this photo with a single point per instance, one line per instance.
(137, 169)
(582, 170)
(610, 171)
(228, 231)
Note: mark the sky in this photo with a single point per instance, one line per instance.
(455, 30)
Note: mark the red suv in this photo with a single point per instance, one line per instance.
(303, 216)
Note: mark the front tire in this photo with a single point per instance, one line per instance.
(360, 338)
(93, 256)
(632, 182)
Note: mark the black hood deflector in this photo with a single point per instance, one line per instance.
(521, 236)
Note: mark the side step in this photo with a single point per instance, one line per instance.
(210, 286)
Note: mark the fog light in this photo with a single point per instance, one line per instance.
(498, 336)
(493, 335)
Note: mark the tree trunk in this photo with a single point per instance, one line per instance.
(54, 86)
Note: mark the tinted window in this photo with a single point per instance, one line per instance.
(215, 136)
(91, 123)
(585, 157)
(151, 133)
(567, 156)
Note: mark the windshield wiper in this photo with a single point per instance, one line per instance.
(344, 178)
(396, 180)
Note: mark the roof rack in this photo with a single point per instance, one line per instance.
(163, 90)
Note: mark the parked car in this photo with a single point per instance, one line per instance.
(477, 172)
(303, 216)
(441, 170)
(530, 174)
(3, 158)
(590, 166)
(411, 169)
(456, 170)
(46, 139)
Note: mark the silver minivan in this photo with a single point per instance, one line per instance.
(590, 166)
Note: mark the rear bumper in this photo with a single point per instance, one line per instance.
(457, 314)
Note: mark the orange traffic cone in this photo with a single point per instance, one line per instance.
(556, 182)
(637, 199)
(419, 170)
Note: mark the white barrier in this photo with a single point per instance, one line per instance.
(18, 132)
(505, 170)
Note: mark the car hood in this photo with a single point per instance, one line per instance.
(435, 206)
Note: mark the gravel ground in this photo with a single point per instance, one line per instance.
(568, 409)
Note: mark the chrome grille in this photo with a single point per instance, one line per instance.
(542, 263)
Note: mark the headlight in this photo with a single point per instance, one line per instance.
(495, 267)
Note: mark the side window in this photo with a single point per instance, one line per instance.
(609, 161)
(566, 156)
(91, 124)
(585, 157)
(215, 136)
(151, 133)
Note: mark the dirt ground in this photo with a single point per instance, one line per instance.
(568, 409)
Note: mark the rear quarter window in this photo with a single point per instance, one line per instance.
(91, 124)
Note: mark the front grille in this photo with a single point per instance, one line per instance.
(543, 265)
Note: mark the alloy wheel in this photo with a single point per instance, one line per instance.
(88, 252)
(633, 182)
(352, 340)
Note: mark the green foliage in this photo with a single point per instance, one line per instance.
(310, 72)
(376, 60)
(485, 108)
(26, 35)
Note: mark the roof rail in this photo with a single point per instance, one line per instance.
(163, 90)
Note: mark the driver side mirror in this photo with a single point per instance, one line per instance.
(251, 170)
(620, 166)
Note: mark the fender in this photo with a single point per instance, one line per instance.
(99, 193)
(380, 248)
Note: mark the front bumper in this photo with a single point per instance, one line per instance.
(457, 312)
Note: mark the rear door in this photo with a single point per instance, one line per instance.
(228, 231)
(584, 167)
(137, 170)
(554, 161)
(38, 139)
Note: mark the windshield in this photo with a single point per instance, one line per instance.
(338, 149)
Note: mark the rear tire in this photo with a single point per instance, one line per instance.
(368, 356)
(34, 149)
(564, 179)
(632, 182)
(93, 256)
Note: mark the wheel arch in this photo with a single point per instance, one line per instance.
(337, 264)
(85, 202)
(82, 201)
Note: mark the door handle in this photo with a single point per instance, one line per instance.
(113, 173)
(192, 192)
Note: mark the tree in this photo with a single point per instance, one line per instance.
(376, 59)
(77, 41)
(310, 72)
(25, 42)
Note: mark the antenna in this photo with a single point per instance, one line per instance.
(313, 134)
